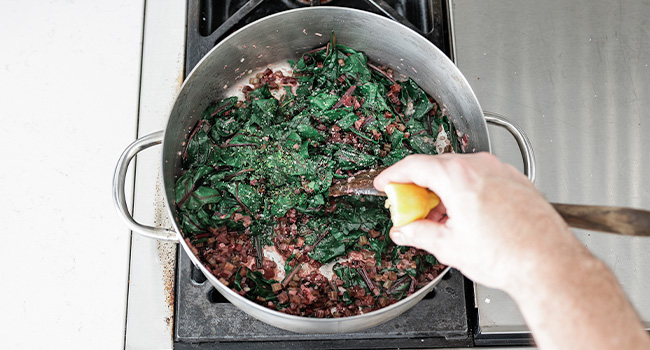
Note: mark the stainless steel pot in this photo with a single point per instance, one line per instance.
(271, 42)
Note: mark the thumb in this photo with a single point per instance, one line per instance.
(422, 234)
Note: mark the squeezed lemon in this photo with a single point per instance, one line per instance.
(409, 202)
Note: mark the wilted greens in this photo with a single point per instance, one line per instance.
(258, 173)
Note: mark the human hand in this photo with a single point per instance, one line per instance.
(498, 227)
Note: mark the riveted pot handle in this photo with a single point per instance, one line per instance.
(119, 199)
(525, 147)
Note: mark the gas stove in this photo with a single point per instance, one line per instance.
(171, 306)
(204, 319)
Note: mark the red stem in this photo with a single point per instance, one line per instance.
(289, 277)
(346, 94)
(382, 73)
(228, 105)
(194, 131)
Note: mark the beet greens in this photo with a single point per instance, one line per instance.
(262, 168)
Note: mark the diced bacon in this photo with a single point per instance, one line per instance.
(307, 294)
(359, 122)
(283, 297)
(295, 300)
(269, 264)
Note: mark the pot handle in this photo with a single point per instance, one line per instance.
(119, 199)
(525, 147)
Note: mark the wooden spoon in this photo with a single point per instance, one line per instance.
(619, 220)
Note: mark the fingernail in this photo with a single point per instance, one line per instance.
(398, 237)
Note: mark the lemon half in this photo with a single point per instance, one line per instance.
(409, 202)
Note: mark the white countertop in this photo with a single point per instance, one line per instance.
(69, 83)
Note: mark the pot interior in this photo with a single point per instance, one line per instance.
(274, 40)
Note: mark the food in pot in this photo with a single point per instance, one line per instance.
(253, 202)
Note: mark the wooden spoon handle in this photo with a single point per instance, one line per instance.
(623, 221)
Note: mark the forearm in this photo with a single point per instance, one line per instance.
(575, 302)
(501, 232)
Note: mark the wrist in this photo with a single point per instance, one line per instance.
(541, 277)
(550, 266)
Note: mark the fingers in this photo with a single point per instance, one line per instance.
(446, 174)
(423, 234)
(423, 170)
(438, 214)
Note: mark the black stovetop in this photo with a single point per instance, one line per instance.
(209, 21)
(206, 320)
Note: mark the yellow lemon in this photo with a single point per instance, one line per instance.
(409, 202)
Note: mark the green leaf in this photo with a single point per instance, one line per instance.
(347, 120)
(190, 224)
(288, 267)
(292, 140)
(423, 144)
(199, 148)
(284, 199)
(224, 128)
(356, 65)
(331, 67)
(192, 181)
(205, 195)
(247, 194)
(323, 101)
(373, 95)
(350, 158)
(334, 115)
(262, 92)
(395, 155)
(220, 108)
(304, 150)
(349, 275)
(238, 278)
(378, 246)
(263, 112)
(430, 259)
(413, 94)
(346, 49)
(309, 132)
(259, 286)
(328, 249)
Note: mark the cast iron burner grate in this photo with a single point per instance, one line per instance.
(206, 320)
(209, 21)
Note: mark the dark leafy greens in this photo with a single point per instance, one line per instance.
(258, 173)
